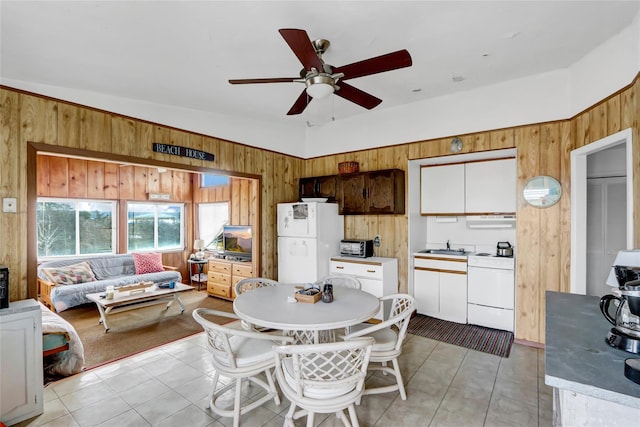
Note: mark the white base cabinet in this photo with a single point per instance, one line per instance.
(20, 361)
(440, 287)
(377, 275)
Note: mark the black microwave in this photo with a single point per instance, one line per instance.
(356, 248)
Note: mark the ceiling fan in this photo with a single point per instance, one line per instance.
(321, 79)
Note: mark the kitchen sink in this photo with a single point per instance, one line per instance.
(444, 251)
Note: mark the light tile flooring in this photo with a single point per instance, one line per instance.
(446, 386)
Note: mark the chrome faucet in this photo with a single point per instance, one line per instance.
(448, 246)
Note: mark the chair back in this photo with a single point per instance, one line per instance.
(340, 280)
(402, 307)
(330, 369)
(217, 338)
(251, 283)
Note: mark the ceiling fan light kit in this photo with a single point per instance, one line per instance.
(320, 86)
(321, 78)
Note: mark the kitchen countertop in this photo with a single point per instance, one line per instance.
(577, 358)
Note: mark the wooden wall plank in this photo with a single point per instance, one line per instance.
(140, 183)
(95, 179)
(95, 130)
(58, 177)
(111, 181)
(123, 135)
(126, 180)
(77, 176)
(69, 125)
(43, 175)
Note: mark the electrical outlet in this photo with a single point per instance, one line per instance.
(9, 204)
(376, 241)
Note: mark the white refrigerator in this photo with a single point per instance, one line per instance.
(309, 234)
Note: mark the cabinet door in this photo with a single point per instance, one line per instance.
(426, 291)
(20, 366)
(354, 199)
(386, 192)
(307, 187)
(453, 297)
(490, 186)
(327, 186)
(442, 189)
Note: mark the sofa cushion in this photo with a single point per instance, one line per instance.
(70, 275)
(148, 263)
(111, 266)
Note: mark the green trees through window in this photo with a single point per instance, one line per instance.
(155, 226)
(75, 227)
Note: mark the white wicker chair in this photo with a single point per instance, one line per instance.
(388, 336)
(247, 285)
(239, 354)
(323, 378)
(251, 283)
(340, 280)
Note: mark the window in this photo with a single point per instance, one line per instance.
(211, 218)
(211, 180)
(67, 227)
(155, 226)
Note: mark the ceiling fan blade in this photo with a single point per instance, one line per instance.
(379, 64)
(300, 104)
(300, 44)
(357, 96)
(273, 80)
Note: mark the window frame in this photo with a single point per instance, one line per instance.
(76, 202)
(181, 246)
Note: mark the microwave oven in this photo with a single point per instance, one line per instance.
(356, 248)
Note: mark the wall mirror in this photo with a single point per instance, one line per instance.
(542, 191)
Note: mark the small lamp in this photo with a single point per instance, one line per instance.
(198, 246)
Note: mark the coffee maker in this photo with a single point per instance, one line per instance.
(625, 300)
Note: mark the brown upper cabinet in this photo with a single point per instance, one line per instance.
(319, 186)
(374, 193)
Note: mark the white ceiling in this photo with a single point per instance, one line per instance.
(181, 54)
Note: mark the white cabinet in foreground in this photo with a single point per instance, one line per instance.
(377, 275)
(21, 386)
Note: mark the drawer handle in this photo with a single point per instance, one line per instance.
(339, 268)
(371, 271)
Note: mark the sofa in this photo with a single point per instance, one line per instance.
(63, 284)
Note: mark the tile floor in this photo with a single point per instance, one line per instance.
(446, 386)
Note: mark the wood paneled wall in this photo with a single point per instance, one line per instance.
(63, 177)
(542, 149)
(544, 235)
(52, 125)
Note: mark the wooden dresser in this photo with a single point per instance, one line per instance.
(223, 275)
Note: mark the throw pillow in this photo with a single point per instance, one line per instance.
(71, 274)
(148, 263)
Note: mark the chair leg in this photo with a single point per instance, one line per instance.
(213, 389)
(396, 368)
(353, 415)
(288, 420)
(272, 386)
(236, 403)
(310, 417)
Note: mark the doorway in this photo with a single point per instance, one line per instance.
(583, 230)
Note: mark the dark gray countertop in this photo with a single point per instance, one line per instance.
(577, 358)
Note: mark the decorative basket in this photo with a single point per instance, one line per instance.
(308, 299)
(348, 167)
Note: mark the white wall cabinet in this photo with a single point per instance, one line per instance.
(483, 187)
(442, 189)
(20, 361)
(440, 287)
(377, 275)
(490, 186)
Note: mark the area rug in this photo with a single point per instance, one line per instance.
(133, 331)
(487, 340)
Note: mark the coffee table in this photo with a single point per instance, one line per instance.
(124, 301)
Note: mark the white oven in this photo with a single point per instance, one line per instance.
(491, 291)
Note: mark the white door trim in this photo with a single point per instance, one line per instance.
(579, 203)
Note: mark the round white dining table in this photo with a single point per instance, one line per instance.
(269, 306)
